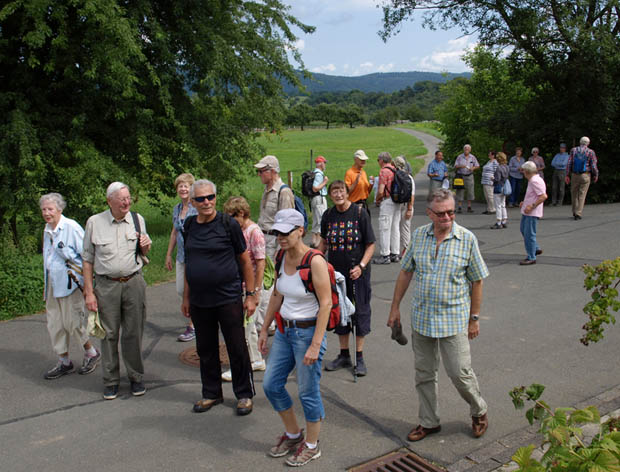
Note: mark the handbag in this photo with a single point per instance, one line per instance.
(95, 328)
(458, 182)
(507, 188)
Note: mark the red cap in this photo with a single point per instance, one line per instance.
(320, 159)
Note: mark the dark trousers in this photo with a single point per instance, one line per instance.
(228, 318)
(361, 300)
(515, 196)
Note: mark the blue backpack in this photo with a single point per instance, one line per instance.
(580, 159)
(299, 205)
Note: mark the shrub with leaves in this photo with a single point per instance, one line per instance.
(564, 440)
(603, 281)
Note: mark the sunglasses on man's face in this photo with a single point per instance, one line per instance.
(284, 235)
(204, 197)
(441, 214)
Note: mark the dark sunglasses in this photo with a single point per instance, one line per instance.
(284, 235)
(441, 214)
(204, 197)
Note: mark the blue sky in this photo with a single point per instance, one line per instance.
(346, 42)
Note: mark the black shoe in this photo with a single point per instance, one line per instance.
(394, 258)
(496, 226)
(382, 260)
(538, 252)
(338, 363)
(360, 367)
(110, 392)
(59, 371)
(137, 389)
(397, 334)
(89, 364)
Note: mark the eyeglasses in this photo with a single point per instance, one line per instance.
(284, 235)
(441, 214)
(204, 197)
(260, 171)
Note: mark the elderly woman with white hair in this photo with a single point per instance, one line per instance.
(62, 264)
(537, 159)
(532, 211)
(406, 209)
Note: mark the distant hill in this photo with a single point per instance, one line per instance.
(387, 82)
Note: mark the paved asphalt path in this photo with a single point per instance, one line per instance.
(531, 319)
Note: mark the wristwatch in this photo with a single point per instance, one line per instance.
(474, 317)
(250, 293)
(362, 266)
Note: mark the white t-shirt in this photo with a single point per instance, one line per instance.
(297, 304)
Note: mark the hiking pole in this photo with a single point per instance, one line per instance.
(354, 335)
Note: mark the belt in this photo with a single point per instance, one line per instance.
(299, 323)
(127, 278)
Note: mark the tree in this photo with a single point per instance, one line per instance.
(326, 112)
(413, 113)
(566, 53)
(93, 91)
(352, 115)
(299, 115)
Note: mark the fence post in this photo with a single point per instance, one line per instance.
(310, 160)
(290, 179)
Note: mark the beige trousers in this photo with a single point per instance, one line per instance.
(579, 184)
(488, 196)
(122, 308)
(66, 317)
(456, 359)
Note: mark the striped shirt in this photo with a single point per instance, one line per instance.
(441, 300)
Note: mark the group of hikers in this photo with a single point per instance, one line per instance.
(252, 280)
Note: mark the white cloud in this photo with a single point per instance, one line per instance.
(385, 67)
(447, 57)
(324, 69)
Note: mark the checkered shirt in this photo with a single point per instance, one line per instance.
(441, 299)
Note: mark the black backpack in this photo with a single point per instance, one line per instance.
(307, 179)
(401, 188)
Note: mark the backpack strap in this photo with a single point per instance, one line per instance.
(278, 263)
(279, 192)
(136, 223)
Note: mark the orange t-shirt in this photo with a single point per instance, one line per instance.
(362, 190)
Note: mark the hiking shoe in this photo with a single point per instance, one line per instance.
(397, 334)
(286, 445)
(303, 455)
(504, 225)
(259, 365)
(227, 376)
(244, 406)
(394, 258)
(188, 335)
(206, 404)
(59, 370)
(539, 252)
(382, 260)
(479, 425)
(89, 364)
(360, 367)
(137, 389)
(497, 226)
(110, 392)
(338, 363)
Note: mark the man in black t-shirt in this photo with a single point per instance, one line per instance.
(216, 260)
(349, 242)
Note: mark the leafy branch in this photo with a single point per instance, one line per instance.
(565, 447)
(603, 281)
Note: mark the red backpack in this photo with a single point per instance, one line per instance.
(306, 277)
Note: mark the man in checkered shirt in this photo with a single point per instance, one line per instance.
(448, 268)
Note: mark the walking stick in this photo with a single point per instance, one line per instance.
(354, 336)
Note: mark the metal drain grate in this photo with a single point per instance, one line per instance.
(397, 461)
(190, 357)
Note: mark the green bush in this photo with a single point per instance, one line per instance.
(21, 280)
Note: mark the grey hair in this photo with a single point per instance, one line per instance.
(57, 198)
(529, 167)
(385, 157)
(535, 149)
(584, 141)
(115, 187)
(440, 195)
(400, 162)
(201, 183)
(467, 146)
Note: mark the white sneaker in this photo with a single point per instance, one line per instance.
(259, 365)
(227, 376)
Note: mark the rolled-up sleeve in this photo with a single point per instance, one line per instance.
(88, 249)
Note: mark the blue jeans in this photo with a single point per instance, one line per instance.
(528, 230)
(287, 353)
(516, 190)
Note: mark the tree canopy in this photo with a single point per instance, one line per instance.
(93, 91)
(565, 54)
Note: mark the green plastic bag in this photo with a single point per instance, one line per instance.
(269, 274)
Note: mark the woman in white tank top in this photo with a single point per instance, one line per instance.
(299, 342)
